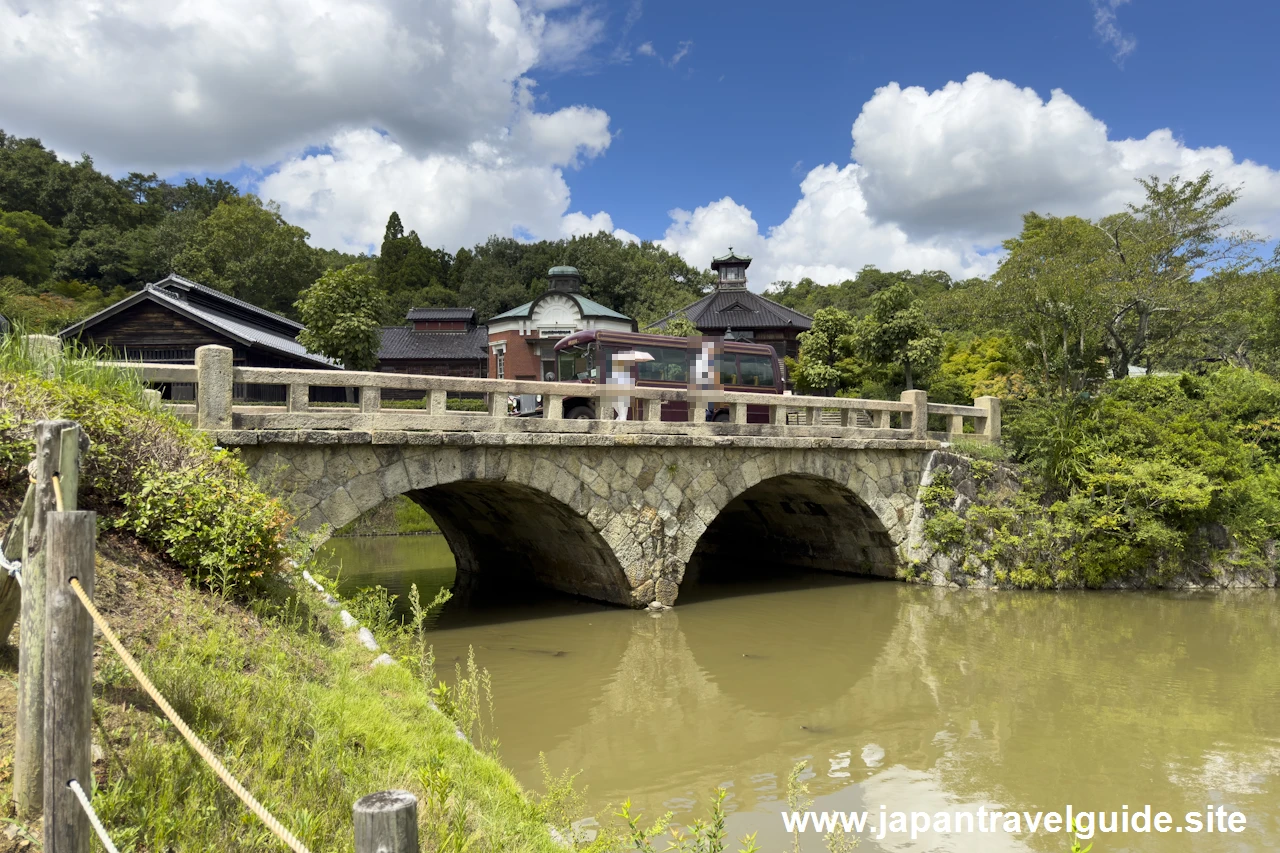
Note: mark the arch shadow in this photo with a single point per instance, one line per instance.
(793, 522)
(503, 532)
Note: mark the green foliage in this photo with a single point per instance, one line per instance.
(301, 720)
(145, 472)
(825, 350)
(679, 326)
(341, 312)
(245, 248)
(27, 243)
(210, 519)
(1128, 485)
(898, 332)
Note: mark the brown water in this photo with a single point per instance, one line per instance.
(914, 698)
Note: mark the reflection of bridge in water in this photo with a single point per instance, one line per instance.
(610, 510)
(1026, 700)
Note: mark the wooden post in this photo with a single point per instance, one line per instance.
(14, 548)
(386, 822)
(68, 681)
(215, 371)
(989, 426)
(52, 455)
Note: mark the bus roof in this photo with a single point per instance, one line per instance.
(634, 339)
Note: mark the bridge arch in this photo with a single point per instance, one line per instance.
(613, 520)
(842, 513)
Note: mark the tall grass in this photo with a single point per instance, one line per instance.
(74, 363)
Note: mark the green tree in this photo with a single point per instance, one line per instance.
(898, 332)
(679, 326)
(824, 348)
(27, 246)
(341, 312)
(245, 248)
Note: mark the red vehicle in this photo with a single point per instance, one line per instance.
(585, 357)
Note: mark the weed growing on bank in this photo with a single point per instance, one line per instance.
(146, 472)
(1148, 480)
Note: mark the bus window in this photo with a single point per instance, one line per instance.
(669, 365)
(728, 369)
(757, 370)
(576, 364)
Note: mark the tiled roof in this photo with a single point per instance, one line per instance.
(223, 302)
(738, 308)
(236, 327)
(590, 308)
(403, 342)
(468, 314)
(235, 318)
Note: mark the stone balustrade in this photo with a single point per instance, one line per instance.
(215, 377)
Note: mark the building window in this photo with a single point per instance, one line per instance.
(502, 357)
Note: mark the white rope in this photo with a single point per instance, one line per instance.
(14, 568)
(93, 816)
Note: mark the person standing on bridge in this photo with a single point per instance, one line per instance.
(622, 379)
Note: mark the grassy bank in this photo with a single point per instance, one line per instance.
(192, 573)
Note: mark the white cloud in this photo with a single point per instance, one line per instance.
(682, 50)
(940, 178)
(344, 195)
(646, 49)
(184, 84)
(1104, 25)
(971, 157)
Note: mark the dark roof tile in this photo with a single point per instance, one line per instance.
(468, 314)
(402, 342)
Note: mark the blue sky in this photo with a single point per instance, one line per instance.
(817, 136)
(793, 76)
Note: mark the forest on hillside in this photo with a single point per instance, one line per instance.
(74, 239)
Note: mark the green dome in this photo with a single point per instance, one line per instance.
(564, 271)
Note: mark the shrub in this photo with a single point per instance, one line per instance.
(145, 471)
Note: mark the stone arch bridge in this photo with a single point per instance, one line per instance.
(616, 511)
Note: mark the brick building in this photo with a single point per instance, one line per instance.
(522, 340)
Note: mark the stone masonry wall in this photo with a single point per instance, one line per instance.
(615, 518)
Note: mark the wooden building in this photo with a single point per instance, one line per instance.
(733, 311)
(167, 320)
(435, 341)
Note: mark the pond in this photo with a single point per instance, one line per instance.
(914, 698)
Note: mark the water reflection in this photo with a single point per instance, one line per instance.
(913, 698)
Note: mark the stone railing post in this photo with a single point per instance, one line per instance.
(370, 399)
(44, 351)
(436, 401)
(738, 413)
(989, 425)
(919, 415)
(497, 401)
(153, 398)
(298, 397)
(552, 407)
(214, 380)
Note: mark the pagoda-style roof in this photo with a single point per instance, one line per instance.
(731, 258)
(738, 309)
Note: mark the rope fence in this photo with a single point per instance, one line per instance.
(198, 745)
(92, 815)
(55, 580)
